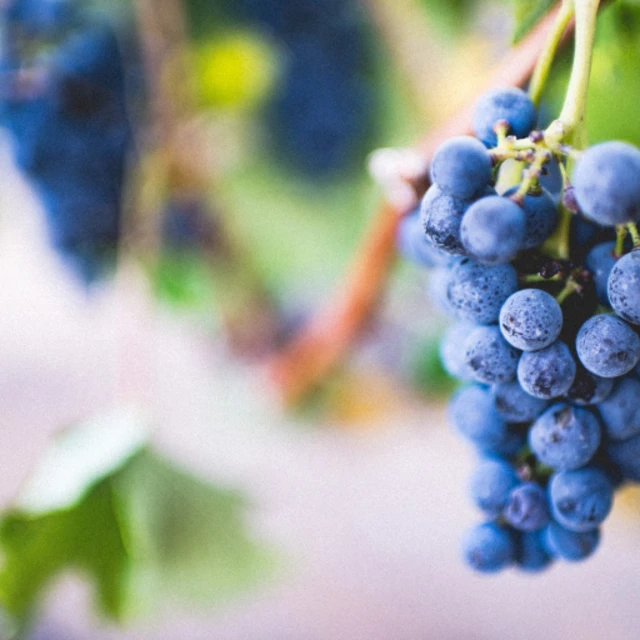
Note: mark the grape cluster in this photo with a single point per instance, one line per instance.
(546, 335)
(66, 111)
(319, 119)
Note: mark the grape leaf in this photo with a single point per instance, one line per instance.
(526, 14)
(140, 530)
(189, 537)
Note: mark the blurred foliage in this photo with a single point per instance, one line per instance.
(526, 14)
(236, 71)
(141, 530)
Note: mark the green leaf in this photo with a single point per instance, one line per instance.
(86, 537)
(189, 537)
(526, 14)
(140, 530)
(80, 457)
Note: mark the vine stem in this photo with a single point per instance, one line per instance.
(634, 233)
(573, 112)
(543, 67)
(322, 342)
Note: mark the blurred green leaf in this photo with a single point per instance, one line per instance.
(526, 15)
(86, 537)
(140, 530)
(189, 536)
(74, 463)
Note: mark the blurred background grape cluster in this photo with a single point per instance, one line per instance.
(182, 185)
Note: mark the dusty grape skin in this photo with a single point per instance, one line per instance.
(476, 292)
(607, 183)
(489, 356)
(581, 499)
(488, 547)
(505, 103)
(472, 412)
(540, 217)
(440, 215)
(547, 373)
(492, 230)
(514, 404)
(531, 319)
(526, 508)
(490, 484)
(623, 287)
(589, 389)
(620, 412)
(571, 545)
(414, 246)
(607, 346)
(565, 437)
(452, 355)
(599, 261)
(461, 167)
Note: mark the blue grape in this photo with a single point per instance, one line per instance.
(531, 551)
(489, 356)
(625, 457)
(452, 355)
(472, 412)
(599, 261)
(511, 444)
(490, 485)
(607, 346)
(607, 183)
(620, 412)
(571, 545)
(540, 217)
(565, 437)
(507, 103)
(526, 508)
(514, 404)
(461, 167)
(624, 287)
(547, 373)
(581, 499)
(492, 230)
(476, 292)
(488, 547)
(441, 215)
(531, 319)
(414, 246)
(438, 290)
(589, 389)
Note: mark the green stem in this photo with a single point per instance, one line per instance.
(543, 66)
(621, 234)
(564, 230)
(573, 111)
(569, 288)
(634, 233)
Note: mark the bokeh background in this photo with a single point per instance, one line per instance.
(246, 194)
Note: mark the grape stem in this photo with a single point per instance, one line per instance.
(569, 288)
(634, 233)
(621, 234)
(543, 67)
(573, 111)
